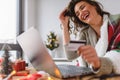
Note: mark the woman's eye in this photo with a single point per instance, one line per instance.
(82, 7)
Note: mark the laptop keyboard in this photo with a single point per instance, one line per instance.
(72, 71)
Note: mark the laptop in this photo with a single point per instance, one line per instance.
(38, 55)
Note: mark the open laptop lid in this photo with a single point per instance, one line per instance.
(33, 47)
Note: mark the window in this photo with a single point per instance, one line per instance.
(8, 21)
(9, 24)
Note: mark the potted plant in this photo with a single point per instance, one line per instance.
(52, 42)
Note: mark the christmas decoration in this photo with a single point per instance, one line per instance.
(22, 73)
(52, 41)
(77, 63)
(34, 76)
(6, 65)
(19, 65)
(41, 75)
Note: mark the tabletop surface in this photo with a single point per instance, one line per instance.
(88, 77)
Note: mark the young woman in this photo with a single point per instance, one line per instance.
(101, 31)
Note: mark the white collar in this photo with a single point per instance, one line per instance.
(102, 43)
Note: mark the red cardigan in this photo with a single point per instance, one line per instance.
(114, 37)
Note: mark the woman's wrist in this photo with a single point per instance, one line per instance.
(96, 69)
(97, 65)
(66, 36)
(64, 27)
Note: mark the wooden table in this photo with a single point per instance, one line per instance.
(90, 77)
(77, 78)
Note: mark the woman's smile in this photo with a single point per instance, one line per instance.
(85, 15)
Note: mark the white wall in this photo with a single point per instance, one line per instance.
(48, 19)
(44, 14)
(113, 6)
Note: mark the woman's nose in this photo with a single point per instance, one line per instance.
(80, 15)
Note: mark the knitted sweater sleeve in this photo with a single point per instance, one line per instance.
(109, 63)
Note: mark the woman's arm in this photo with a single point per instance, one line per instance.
(65, 24)
(66, 35)
(114, 57)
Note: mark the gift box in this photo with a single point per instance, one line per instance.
(19, 65)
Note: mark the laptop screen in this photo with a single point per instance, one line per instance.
(34, 48)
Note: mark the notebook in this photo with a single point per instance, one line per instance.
(38, 55)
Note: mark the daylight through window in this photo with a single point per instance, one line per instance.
(8, 21)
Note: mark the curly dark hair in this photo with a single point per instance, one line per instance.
(75, 19)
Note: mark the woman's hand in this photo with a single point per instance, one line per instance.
(88, 53)
(64, 19)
